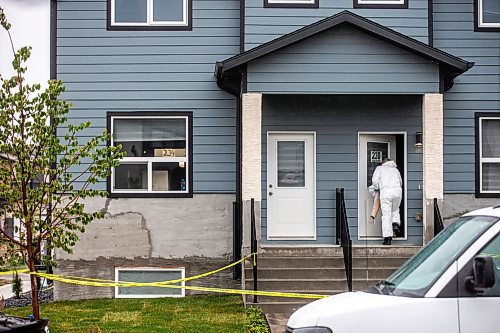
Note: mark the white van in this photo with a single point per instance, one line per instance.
(451, 285)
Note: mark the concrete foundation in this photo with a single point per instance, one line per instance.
(104, 268)
(195, 233)
(455, 205)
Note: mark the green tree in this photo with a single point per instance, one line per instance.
(41, 145)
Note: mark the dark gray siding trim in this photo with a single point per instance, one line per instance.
(474, 91)
(166, 71)
(344, 61)
(337, 121)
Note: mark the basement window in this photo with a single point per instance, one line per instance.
(487, 154)
(380, 3)
(149, 14)
(157, 148)
(487, 15)
(148, 274)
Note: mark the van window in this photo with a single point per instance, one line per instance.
(418, 274)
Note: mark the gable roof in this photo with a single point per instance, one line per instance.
(452, 66)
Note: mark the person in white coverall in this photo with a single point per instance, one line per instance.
(387, 179)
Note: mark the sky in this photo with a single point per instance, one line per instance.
(30, 21)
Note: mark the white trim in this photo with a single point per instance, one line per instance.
(293, 2)
(148, 161)
(457, 266)
(480, 22)
(485, 159)
(150, 269)
(405, 152)
(381, 2)
(150, 17)
(313, 133)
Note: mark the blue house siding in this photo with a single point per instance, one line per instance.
(343, 60)
(155, 71)
(337, 119)
(478, 90)
(265, 24)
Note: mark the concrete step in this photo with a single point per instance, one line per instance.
(309, 284)
(331, 262)
(336, 251)
(319, 273)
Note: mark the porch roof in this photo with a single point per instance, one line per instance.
(228, 72)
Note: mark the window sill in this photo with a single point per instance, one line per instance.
(487, 195)
(150, 195)
(149, 28)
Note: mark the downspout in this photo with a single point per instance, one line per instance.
(53, 76)
(430, 22)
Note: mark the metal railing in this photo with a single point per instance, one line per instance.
(253, 246)
(343, 236)
(438, 220)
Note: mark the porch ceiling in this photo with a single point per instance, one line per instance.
(228, 72)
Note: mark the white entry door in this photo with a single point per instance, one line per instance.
(373, 148)
(291, 186)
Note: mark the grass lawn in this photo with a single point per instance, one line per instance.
(213, 313)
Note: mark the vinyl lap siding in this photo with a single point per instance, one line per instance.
(478, 90)
(343, 60)
(155, 71)
(337, 121)
(265, 24)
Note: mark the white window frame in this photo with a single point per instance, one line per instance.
(150, 269)
(480, 22)
(482, 159)
(150, 18)
(150, 160)
(381, 2)
(291, 2)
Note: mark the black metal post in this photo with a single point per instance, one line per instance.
(253, 247)
(236, 241)
(337, 216)
(438, 220)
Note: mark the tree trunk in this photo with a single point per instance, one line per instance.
(34, 288)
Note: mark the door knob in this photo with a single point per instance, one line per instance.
(270, 193)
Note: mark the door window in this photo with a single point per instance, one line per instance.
(375, 153)
(291, 164)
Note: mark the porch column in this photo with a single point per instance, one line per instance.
(251, 162)
(432, 123)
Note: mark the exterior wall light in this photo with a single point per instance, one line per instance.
(418, 140)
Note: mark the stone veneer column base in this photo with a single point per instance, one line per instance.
(432, 124)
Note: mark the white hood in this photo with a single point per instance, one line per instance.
(375, 313)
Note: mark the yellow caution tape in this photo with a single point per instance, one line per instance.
(92, 282)
(163, 285)
(25, 270)
(148, 284)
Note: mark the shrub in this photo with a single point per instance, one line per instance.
(256, 321)
(17, 284)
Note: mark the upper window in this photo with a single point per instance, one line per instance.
(488, 154)
(487, 14)
(380, 3)
(292, 3)
(149, 14)
(157, 148)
